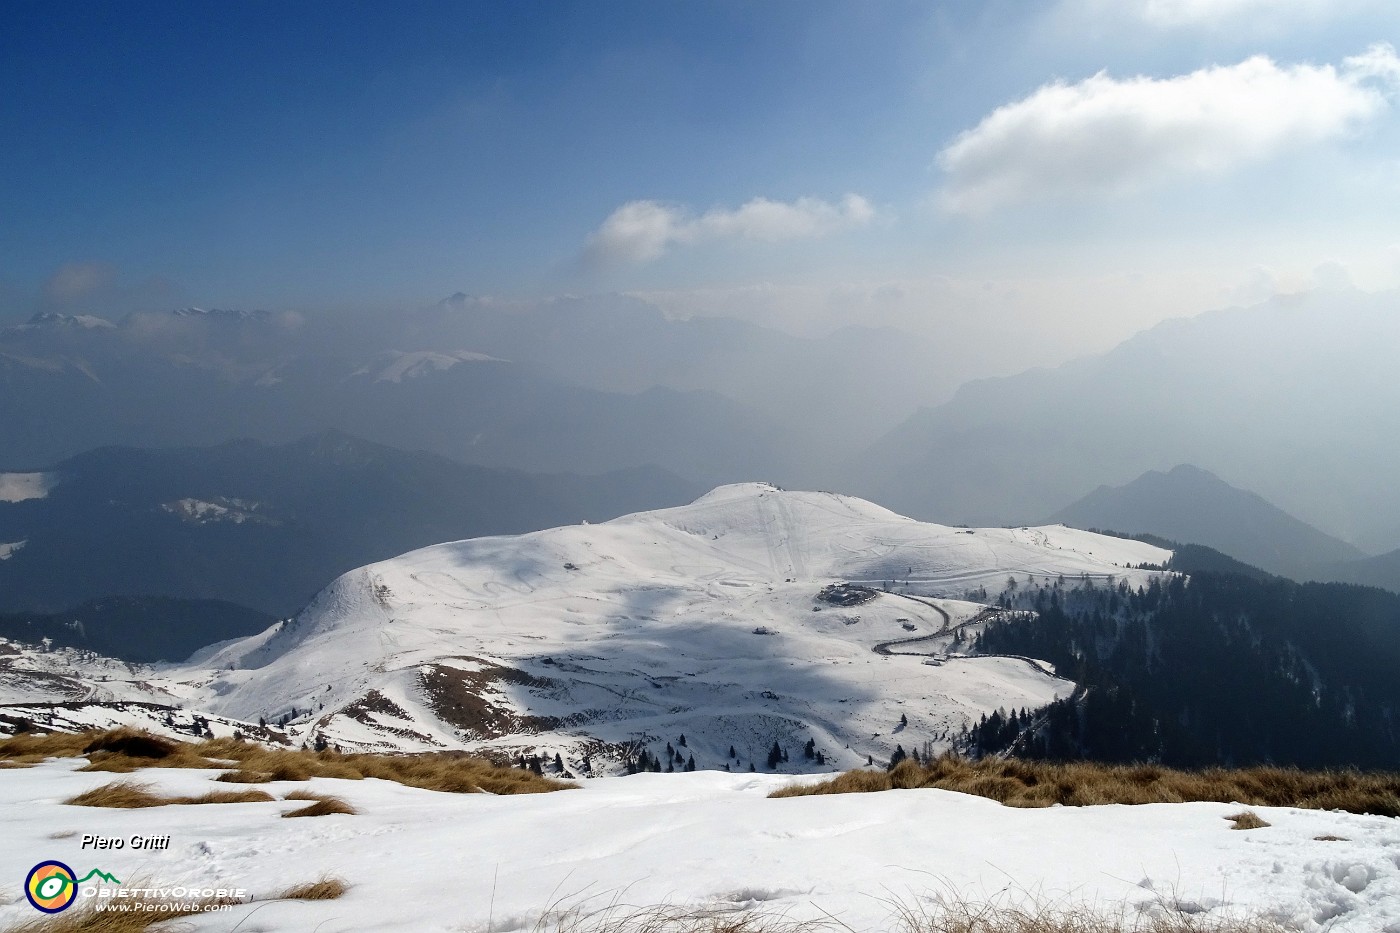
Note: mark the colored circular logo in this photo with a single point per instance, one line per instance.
(51, 887)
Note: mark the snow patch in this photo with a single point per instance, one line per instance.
(21, 487)
(401, 365)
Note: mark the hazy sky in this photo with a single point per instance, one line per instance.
(1052, 174)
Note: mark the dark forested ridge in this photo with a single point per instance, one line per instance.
(1213, 668)
(137, 628)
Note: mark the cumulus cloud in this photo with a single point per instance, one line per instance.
(640, 231)
(1105, 135)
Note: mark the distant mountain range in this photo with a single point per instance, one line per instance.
(267, 526)
(1292, 398)
(1189, 504)
(578, 385)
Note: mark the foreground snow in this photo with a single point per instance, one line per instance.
(425, 861)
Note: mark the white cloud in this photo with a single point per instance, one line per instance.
(1106, 135)
(640, 231)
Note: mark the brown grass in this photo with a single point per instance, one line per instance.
(1247, 819)
(322, 805)
(954, 914)
(127, 750)
(935, 914)
(1020, 783)
(326, 889)
(130, 796)
(30, 748)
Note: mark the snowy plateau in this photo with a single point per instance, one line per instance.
(750, 616)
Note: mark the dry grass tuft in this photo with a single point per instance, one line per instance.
(125, 795)
(953, 914)
(31, 748)
(132, 743)
(618, 918)
(326, 889)
(937, 913)
(127, 750)
(322, 805)
(1018, 783)
(1247, 819)
(458, 774)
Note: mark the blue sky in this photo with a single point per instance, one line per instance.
(807, 164)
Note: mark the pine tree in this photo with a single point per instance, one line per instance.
(899, 755)
(690, 765)
(558, 762)
(682, 740)
(732, 753)
(810, 749)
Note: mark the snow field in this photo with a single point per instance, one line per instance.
(426, 861)
(21, 487)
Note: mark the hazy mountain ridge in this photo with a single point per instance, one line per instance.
(1189, 504)
(578, 384)
(1281, 398)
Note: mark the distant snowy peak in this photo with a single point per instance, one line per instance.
(53, 320)
(221, 510)
(397, 365)
(221, 314)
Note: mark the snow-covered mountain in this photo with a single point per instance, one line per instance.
(752, 616)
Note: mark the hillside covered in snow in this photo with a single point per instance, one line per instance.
(754, 616)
